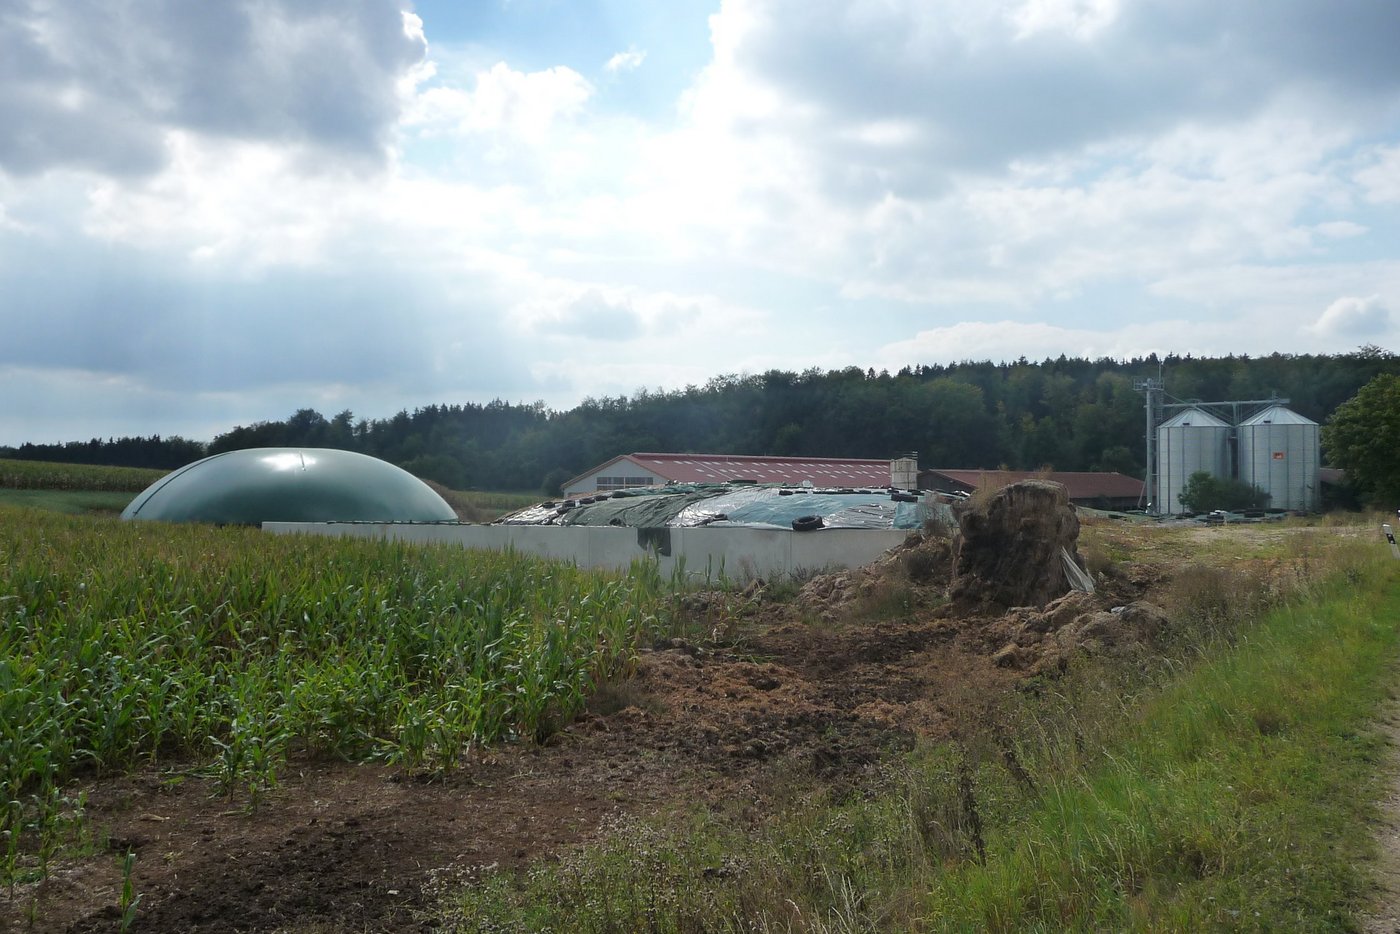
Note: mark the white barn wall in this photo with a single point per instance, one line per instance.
(733, 553)
(625, 467)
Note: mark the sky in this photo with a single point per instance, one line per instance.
(218, 213)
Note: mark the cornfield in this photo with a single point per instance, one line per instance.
(41, 475)
(129, 643)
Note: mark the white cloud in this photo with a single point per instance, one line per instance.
(997, 179)
(629, 60)
(1340, 230)
(1354, 317)
(245, 221)
(868, 182)
(1302, 287)
(1008, 340)
(991, 83)
(1381, 178)
(1080, 19)
(526, 104)
(565, 308)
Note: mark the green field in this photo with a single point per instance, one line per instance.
(72, 502)
(1225, 781)
(41, 475)
(484, 506)
(126, 643)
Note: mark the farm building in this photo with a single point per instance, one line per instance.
(632, 471)
(258, 485)
(1093, 489)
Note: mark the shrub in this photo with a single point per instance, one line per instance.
(1204, 493)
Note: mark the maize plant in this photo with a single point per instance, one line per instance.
(122, 643)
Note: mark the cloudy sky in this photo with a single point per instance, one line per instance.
(215, 213)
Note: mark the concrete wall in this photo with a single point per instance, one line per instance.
(705, 553)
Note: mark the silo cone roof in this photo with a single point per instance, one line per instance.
(1194, 418)
(1278, 415)
(259, 485)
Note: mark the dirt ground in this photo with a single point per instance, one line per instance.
(1384, 914)
(818, 685)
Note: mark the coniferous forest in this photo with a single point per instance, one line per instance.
(1067, 414)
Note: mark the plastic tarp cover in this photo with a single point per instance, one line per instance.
(1078, 578)
(746, 506)
(624, 508)
(765, 507)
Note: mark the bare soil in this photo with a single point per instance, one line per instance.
(817, 688)
(355, 845)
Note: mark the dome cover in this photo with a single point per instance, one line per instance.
(259, 485)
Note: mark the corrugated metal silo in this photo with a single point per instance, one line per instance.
(1278, 453)
(1192, 440)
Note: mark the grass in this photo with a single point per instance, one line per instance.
(1228, 786)
(1234, 796)
(128, 643)
(72, 502)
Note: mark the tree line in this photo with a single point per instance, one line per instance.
(1063, 413)
(154, 451)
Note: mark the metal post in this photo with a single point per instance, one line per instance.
(1153, 388)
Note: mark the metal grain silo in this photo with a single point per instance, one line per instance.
(1278, 453)
(1192, 440)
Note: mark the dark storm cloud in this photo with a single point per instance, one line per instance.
(96, 83)
(982, 97)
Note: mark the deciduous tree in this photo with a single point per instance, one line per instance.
(1363, 438)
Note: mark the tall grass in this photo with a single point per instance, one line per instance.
(1225, 786)
(123, 643)
(1234, 795)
